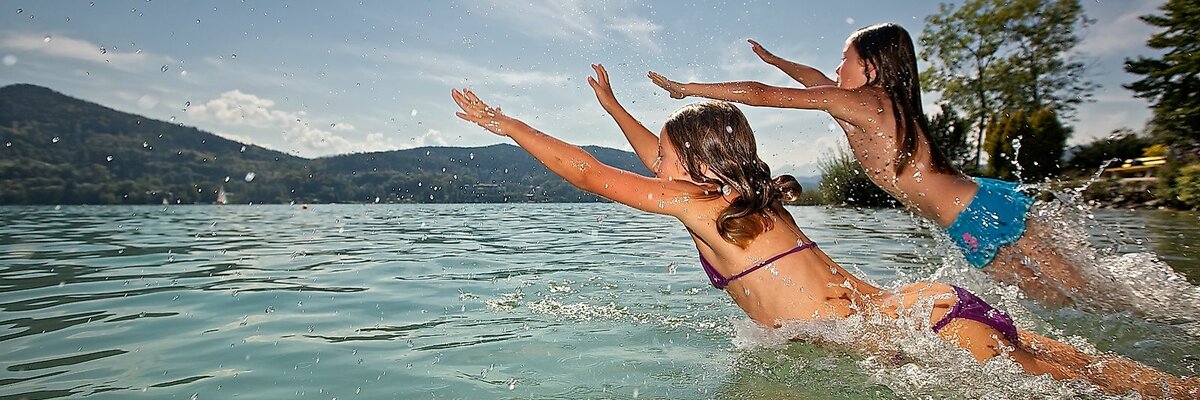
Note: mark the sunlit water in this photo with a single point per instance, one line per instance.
(493, 301)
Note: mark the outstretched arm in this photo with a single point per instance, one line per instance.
(855, 106)
(805, 75)
(576, 166)
(644, 142)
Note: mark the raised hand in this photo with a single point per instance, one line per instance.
(475, 110)
(602, 87)
(762, 52)
(675, 89)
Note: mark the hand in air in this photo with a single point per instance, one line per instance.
(600, 85)
(761, 52)
(672, 87)
(475, 110)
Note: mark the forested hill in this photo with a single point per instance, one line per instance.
(62, 150)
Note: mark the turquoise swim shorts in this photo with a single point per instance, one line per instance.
(994, 219)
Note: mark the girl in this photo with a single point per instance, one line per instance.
(876, 99)
(709, 176)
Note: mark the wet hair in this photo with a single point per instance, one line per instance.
(888, 50)
(714, 137)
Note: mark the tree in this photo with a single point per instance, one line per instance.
(996, 56)
(1026, 146)
(948, 131)
(1120, 145)
(1172, 82)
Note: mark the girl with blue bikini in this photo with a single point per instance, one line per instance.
(708, 175)
(876, 99)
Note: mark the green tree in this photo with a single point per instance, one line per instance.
(949, 132)
(843, 181)
(1027, 146)
(1122, 144)
(1172, 81)
(990, 56)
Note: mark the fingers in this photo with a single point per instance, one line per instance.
(601, 74)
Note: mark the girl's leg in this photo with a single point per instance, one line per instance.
(1111, 373)
(1037, 265)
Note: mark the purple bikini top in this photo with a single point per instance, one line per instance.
(720, 282)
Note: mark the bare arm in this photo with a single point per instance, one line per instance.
(855, 106)
(576, 166)
(803, 74)
(644, 142)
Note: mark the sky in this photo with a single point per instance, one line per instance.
(318, 78)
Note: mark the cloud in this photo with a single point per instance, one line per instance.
(451, 70)
(638, 30)
(574, 19)
(238, 109)
(1122, 34)
(432, 137)
(76, 49)
(342, 127)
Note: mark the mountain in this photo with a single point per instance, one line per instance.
(62, 150)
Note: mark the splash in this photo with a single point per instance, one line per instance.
(905, 356)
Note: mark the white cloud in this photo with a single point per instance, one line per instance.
(432, 137)
(638, 30)
(342, 127)
(573, 20)
(451, 70)
(377, 141)
(238, 109)
(71, 48)
(1122, 34)
(547, 18)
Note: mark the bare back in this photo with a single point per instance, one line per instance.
(936, 195)
(801, 286)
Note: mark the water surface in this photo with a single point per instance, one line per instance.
(469, 301)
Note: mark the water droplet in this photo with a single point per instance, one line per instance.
(414, 112)
(109, 158)
(47, 39)
(165, 68)
(687, 144)
(471, 156)
(243, 150)
(9, 144)
(512, 384)
(728, 129)
(20, 11)
(270, 309)
(234, 55)
(54, 140)
(249, 176)
(226, 179)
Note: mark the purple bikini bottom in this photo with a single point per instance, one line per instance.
(972, 307)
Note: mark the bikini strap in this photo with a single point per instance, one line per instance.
(771, 260)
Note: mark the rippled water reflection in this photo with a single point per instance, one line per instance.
(448, 301)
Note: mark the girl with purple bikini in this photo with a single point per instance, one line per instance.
(709, 176)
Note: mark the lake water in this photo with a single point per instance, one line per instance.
(482, 301)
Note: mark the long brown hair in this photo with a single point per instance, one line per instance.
(714, 136)
(888, 50)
